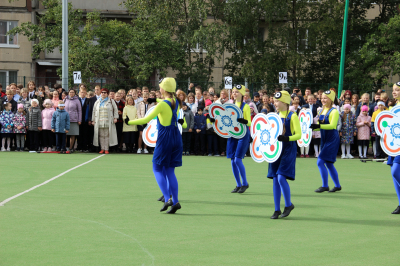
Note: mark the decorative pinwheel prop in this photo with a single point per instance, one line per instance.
(265, 130)
(387, 126)
(306, 118)
(226, 124)
(150, 133)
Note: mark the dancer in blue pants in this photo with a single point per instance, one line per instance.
(330, 142)
(394, 162)
(168, 151)
(236, 148)
(284, 168)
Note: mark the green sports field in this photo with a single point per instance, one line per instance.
(106, 213)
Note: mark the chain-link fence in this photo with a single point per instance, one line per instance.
(117, 84)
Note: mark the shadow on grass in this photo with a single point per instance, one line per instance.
(380, 223)
(345, 195)
(247, 204)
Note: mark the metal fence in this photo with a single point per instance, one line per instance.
(116, 84)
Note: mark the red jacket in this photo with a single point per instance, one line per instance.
(2, 94)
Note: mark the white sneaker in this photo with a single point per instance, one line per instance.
(139, 151)
(385, 162)
(349, 156)
(44, 149)
(145, 151)
(32, 151)
(53, 149)
(2, 149)
(8, 149)
(344, 156)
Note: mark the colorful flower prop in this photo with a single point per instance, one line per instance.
(150, 133)
(226, 124)
(387, 125)
(306, 118)
(265, 130)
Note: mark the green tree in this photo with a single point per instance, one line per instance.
(195, 25)
(126, 52)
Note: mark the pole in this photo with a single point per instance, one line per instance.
(343, 53)
(65, 44)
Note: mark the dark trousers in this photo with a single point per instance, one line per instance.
(222, 144)
(119, 126)
(84, 136)
(186, 139)
(199, 143)
(212, 140)
(60, 141)
(379, 152)
(47, 138)
(34, 140)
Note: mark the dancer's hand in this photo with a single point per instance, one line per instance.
(283, 138)
(315, 126)
(212, 120)
(151, 100)
(127, 120)
(242, 121)
(180, 121)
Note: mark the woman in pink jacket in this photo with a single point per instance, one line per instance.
(47, 135)
(364, 130)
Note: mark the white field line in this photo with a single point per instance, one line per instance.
(45, 182)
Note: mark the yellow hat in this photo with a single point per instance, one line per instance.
(168, 84)
(241, 89)
(330, 94)
(282, 96)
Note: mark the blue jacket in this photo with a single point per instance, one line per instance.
(200, 122)
(60, 121)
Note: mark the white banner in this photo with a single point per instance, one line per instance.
(77, 77)
(282, 77)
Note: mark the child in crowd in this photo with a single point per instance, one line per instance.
(265, 109)
(60, 126)
(378, 152)
(47, 116)
(64, 95)
(363, 126)
(316, 135)
(188, 131)
(90, 94)
(200, 124)
(24, 100)
(34, 125)
(191, 103)
(7, 125)
(130, 132)
(19, 122)
(348, 130)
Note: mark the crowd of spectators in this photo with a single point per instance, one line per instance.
(39, 119)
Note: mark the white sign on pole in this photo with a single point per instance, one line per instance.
(228, 83)
(77, 77)
(282, 77)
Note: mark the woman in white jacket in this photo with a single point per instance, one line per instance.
(105, 115)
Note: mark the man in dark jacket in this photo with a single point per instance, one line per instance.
(84, 134)
(120, 123)
(200, 125)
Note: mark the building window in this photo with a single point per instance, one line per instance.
(305, 41)
(8, 77)
(8, 40)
